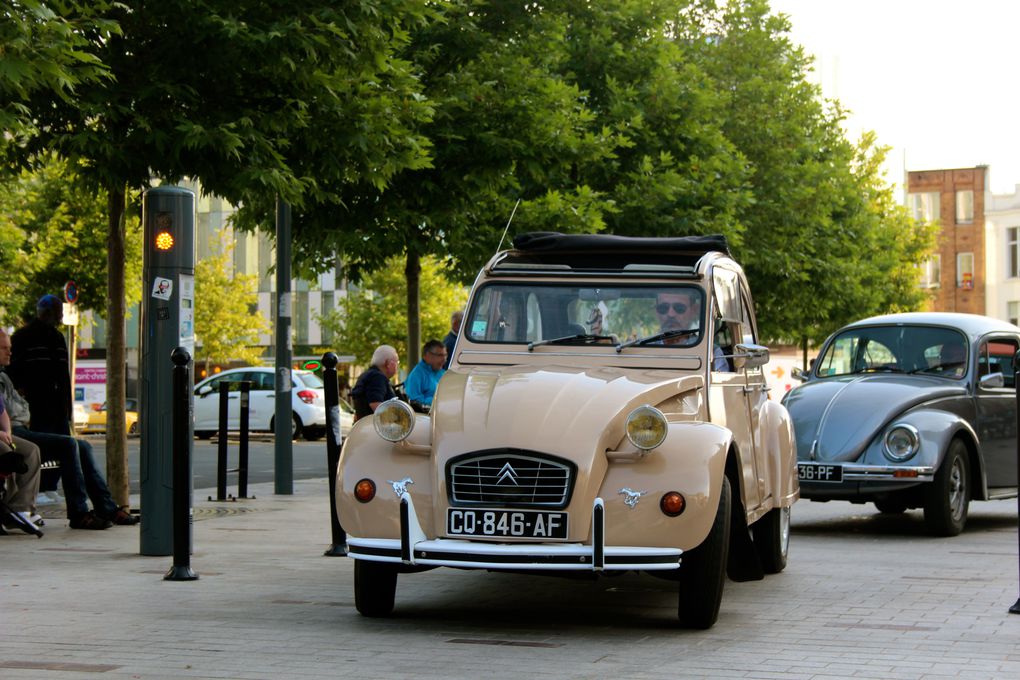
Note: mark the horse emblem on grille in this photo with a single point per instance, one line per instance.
(400, 487)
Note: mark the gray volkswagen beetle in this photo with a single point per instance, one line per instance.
(910, 411)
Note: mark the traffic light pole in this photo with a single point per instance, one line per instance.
(284, 448)
(168, 321)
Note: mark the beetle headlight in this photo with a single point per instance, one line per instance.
(394, 420)
(646, 427)
(901, 443)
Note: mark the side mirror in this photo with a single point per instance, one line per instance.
(203, 390)
(751, 356)
(797, 373)
(992, 380)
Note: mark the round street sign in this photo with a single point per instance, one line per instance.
(71, 292)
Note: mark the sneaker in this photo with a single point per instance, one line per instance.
(29, 517)
(90, 520)
(122, 517)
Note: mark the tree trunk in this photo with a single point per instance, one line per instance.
(116, 358)
(412, 273)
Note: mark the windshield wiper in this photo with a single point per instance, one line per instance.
(665, 335)
(587, 337)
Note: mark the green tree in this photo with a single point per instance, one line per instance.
(253, 99)
(824, 241)
(54, 230)
(375, 314)
(227, 321)
(42, 51)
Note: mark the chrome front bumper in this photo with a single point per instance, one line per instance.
(887, 473)
(415, 549)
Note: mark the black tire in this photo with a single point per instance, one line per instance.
(703, 570)
(772, 539)
(890, 506)
(295, 426)
(375, 587)
(134, 428)
(313, 433)
(205, 434)
(947, 498)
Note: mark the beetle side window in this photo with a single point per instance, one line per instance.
(996, 356)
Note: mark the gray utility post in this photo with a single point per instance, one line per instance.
(284, 469)
(168, 321)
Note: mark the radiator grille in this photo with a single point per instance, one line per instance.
(504, 478)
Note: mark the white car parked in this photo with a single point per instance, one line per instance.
(308, 402)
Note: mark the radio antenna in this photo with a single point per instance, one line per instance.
(512, 213)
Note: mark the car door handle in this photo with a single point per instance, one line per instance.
(748, 389)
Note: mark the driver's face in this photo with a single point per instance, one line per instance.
(675, 311)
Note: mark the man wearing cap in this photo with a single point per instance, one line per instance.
(40, 369)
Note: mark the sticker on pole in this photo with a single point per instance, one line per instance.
(162, 288)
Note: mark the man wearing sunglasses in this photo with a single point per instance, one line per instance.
(678, 310)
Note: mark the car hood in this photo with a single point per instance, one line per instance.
(844, 414)
(566, 411)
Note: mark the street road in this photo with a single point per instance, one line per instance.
(309, 460)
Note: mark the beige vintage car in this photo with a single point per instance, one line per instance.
(605, 410)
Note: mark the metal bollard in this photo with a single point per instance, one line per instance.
(181, 569)
(1015, 609)
(221, 443)
(242, 444)
(333, 435)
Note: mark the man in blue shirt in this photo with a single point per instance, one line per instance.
(422, 382)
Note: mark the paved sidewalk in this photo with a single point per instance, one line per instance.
(864, 596)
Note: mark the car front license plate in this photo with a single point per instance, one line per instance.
(818, 472)
(506, 523)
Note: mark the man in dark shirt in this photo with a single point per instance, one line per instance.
(40, 369)
(373, 386)
(451, 338)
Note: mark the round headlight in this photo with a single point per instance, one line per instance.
(901, 442)
(393, 420)
(646, 427)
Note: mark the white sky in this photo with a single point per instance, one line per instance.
(937, 80)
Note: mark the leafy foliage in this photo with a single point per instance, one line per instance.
(227, 321)
(53, 230)
(375, 314)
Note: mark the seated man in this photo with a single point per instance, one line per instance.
(678, 310)
(79, 474)
(424, 378)
(21, 472)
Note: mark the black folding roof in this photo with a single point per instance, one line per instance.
(545, 250)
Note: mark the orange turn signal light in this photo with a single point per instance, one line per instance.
(672, 503)
(364, 490)
(905, 473)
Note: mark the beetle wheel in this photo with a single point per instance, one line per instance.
(890, 506)
(375, 587)
(703, 570)
(948, 496)
(772, 539)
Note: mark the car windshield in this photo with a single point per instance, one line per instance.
(895, 349)
(544, 314)
(308, 379)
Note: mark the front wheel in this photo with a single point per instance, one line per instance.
(772, 539)
(375, 587)
(703, 570)
(947, 498)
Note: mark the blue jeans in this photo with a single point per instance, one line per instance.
(81, 478)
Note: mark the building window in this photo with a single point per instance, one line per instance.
(1013, 312)
(965, 270)
(931, 272)
(925, 207)
(1013, 251)
(965, 206)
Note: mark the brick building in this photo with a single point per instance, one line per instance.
(956, 200)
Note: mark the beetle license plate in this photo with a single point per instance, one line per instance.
(506, 523)
(818, 472)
